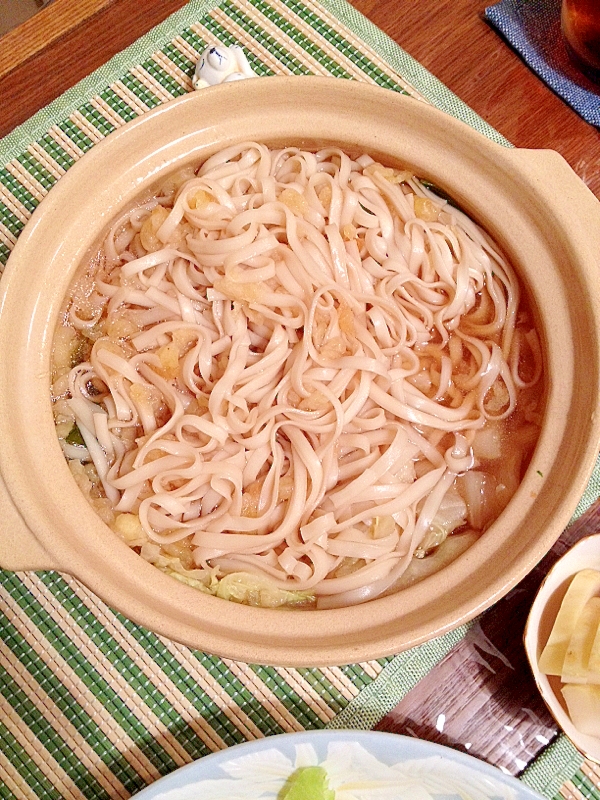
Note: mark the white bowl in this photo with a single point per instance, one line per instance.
(584, 555)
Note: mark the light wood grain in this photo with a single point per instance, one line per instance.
(42, 30)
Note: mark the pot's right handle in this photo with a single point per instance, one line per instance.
(556, 179)
(19, 549)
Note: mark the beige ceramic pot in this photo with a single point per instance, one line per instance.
(539, 212)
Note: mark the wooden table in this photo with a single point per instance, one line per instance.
(70, 38)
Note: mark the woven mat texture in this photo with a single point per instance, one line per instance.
(91, 705)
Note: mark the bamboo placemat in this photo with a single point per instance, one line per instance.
(91, 705)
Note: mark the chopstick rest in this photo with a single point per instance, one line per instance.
(221, 64)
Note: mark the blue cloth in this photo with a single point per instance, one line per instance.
(532, 27)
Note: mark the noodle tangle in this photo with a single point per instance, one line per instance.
(287, 374)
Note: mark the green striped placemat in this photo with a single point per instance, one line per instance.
(91, 705)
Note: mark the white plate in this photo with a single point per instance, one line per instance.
(389, 748)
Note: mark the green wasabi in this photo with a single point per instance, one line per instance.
(307, 783)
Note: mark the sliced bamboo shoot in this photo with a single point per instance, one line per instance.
(594, 661)
(583, 703)
(576, 663)
(584, 586)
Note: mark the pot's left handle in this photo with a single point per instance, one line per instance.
(19, 549)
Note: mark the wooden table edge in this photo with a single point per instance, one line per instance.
(40, 31)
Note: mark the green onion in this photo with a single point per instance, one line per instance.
(75, 437)
(440, 193)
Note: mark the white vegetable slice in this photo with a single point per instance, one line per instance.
(584, 586)
(575, 666)
(583, 703)
(594, 660)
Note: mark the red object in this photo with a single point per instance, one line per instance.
(580, 21)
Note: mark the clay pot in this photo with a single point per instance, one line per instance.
(538, 211)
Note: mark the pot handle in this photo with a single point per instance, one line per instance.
(19, 549)
(555, 178)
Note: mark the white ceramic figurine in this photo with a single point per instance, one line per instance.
(220, 64)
